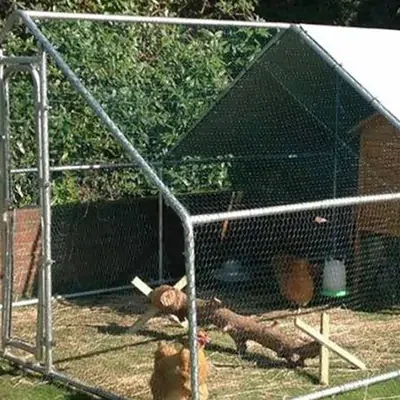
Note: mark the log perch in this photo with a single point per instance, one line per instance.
(241, 328)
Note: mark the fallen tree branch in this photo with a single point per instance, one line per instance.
(241, 328)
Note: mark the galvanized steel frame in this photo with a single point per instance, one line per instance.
(188, 221)
(9, 68)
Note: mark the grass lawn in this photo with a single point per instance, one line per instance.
(15, 386)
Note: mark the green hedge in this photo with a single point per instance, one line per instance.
(154, 82)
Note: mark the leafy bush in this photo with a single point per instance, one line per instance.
(154, 82)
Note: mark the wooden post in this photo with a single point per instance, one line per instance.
(329, 344)
(324, 352)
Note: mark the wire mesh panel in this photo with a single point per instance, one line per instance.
(279, 268)
(106, 222)
(105, 231)
(100, 244)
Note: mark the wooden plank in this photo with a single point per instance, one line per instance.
(226, 222)
(329, 344)
(181, 284)
(183, 324)
(142, 286)
(138, 325)
(324, 352)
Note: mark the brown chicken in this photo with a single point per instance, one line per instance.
(171, 376)
(296, 279)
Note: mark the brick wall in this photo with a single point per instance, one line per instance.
(27, 248)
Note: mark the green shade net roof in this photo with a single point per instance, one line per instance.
(288, 101)
(286, 124)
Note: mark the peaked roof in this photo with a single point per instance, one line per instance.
(309, 82)
(370, 56)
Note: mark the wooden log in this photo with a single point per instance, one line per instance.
(241, 328)
(152, 311)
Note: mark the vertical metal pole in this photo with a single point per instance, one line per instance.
(192, 312)
(40, 329)
(160, 235)
(46, 214)
(11, 234)
(335, 166)
(4, 209)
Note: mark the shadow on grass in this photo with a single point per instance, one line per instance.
(77, 396)
(257, 360)
(115, 329)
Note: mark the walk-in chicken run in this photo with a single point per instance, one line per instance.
(200, 209)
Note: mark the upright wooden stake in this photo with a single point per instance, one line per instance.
(329, 344)
(324, 352)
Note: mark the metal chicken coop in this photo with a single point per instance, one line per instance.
(308, 131)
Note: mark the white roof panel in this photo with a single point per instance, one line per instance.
(370, 56)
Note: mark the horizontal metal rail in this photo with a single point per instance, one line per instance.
(348, 387)
(20, 344)
(290, 208)
(87, 293)
(66, 168)
(135, 19)
(171, 162)
(18, 60)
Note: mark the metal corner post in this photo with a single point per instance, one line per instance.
(40, 332)
(3, 206)
(4, 209)
(160, 234)
(192, 312)
(45, 188)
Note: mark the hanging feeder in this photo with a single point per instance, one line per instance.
(334, 278)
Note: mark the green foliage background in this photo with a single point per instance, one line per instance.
(154, 82)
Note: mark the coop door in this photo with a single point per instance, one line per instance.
(22, 328)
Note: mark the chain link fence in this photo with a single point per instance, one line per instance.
(232, 120)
